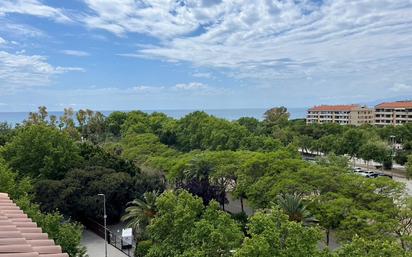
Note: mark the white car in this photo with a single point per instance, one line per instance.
(357, 169)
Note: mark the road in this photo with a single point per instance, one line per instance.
(398, 175)
(95, 246)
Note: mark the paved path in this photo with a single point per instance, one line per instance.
(95, 246)
(408, 184)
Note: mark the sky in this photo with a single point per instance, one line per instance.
(202, 54)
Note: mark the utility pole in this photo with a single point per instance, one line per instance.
(105, 223)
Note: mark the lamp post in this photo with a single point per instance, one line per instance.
(105, 227)
(393, 152)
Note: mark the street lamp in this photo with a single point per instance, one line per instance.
(393, 152)
(105, 218)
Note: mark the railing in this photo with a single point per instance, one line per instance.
(113, 239)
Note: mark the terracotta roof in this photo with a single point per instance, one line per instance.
(399, 104)
(334, 107)
(20, 236)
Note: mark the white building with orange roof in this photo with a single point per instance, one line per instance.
(353, 114)
(393, 113)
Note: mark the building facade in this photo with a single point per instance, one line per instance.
(393, 113)
(341, 114)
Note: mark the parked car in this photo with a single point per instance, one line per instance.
(363, 174)
(372, 174)
(357, 169)
(385, 175)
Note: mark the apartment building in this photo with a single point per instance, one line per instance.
(353, 114)
(393, 113)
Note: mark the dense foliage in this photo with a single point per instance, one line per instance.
(203, 162)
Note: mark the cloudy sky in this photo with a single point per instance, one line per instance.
(185, 54)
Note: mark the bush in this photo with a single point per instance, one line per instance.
(142, 248)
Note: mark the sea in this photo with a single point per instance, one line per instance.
(14, 118)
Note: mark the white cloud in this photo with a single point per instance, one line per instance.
(21, 71)
(19, 30)
(75, 53)
(147, 89)
(2, 41)
(59, 69)
(190, 86)
(399, 87)
(33, 7)
(265, 40)
(159, 18)
(206, 75)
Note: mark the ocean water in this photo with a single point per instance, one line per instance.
(229, 114)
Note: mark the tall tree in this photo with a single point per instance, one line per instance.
(272, 234)
(41, 151)
(185, 227)
(293, 206)
(140, 212)
(277, 116)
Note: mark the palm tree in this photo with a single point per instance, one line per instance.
(294, 207)
(140, 212)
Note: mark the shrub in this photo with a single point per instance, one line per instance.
(142, 248)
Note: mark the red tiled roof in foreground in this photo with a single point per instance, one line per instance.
(400, 104)
(334, 108)
(20, 236)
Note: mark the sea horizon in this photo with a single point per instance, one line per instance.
(16, 117)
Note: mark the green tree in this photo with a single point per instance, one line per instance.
(6, 133)
(114, 122)
(140, 212)
(409, 167)
(276, 116)
(252, 124)
(95, 155)
(293, 206)
(272, 234)
(9, 182)
(330, 209)
(41, 151)
(39, 117)
(66, 234)
(403, 228)
(184, 227)
(351, 142)
(76, 194)
(199, 130)
(371, 248)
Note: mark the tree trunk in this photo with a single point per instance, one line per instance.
(241, 204)
(403, 244)
(223, 198)
(327, 236)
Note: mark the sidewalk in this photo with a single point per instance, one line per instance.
(95, 246)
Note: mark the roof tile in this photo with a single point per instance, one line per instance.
(20, 237)
(399, 104)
